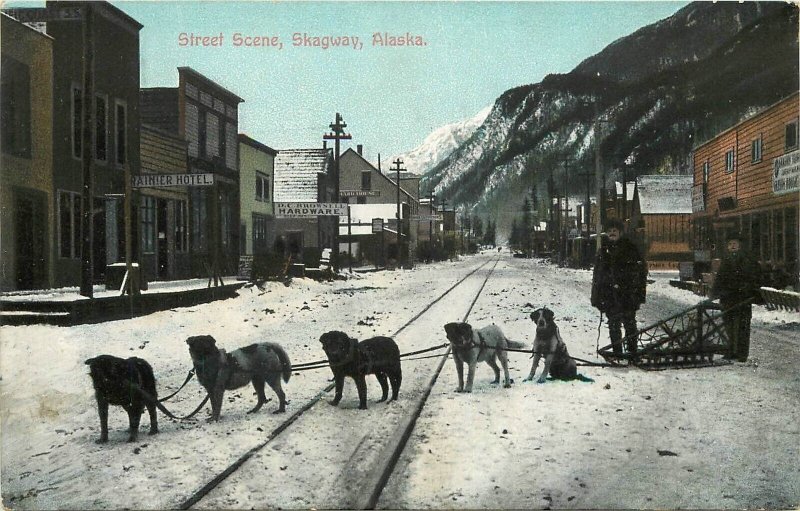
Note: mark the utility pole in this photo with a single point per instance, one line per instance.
(398, 167)
(87, 147)
(624, 191)
(430, 224)
(566, 160)
(551, 223)
(587, 219)
(337, 134)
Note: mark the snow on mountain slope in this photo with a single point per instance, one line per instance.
(440, 143)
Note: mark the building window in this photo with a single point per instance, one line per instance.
(69, 217)
(706, 173)
(729, 161)
(225, 219)
(148, 220)
(181, 226)
(121, 130)
(230, 146)
(366, 180)
(791, 136)
(16, 108)
(755, 150)
(259, 234)
(192, 128)
(262, 187)
(77, 115)
(212, 135)
(199, 219)
(101, 125)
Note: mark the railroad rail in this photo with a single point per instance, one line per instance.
(369, 488)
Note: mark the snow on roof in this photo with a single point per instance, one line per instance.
(296, 174)
(665, 194)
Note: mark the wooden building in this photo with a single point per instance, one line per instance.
(114, 38)
(164, 211)
(660, 219)
(374, 194)
(206, 116)
(746, 180)
(303, 176)
(27, 222)
(256, 185)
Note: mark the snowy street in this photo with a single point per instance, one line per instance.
(719, 437)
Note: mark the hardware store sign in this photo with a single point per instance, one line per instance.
(309, 209)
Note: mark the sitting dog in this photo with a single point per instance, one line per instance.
(219, 371)
(348, 357)
(483, 345)
(548, 342)
(116, 381)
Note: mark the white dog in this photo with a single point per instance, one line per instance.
(484, 345)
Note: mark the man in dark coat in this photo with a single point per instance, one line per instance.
(736, 282)
(619, 284)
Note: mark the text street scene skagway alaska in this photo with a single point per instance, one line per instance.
(399, 255)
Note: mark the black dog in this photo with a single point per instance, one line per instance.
(119, 381)
(348, 357)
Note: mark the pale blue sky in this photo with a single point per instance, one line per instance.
(391, 98)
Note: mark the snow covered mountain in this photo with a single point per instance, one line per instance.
(659, 92)
(440, 143)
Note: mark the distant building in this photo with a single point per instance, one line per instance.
(373, 194)
(115, 118)
(746, 180)
(256, 185)
(27, 223)
(660, 219)
(206, 116)
(303, 176)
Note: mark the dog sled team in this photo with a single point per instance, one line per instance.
(618, 289)
(131, 383)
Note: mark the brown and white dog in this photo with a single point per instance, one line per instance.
(548, 343)
(219, 371)
(470, 346)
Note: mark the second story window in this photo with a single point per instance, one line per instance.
(121, 130)
(262, 187)
(366, 180)
(791, 136)
(16, 108)
(101, 123)
(77, 116)
(729, 161)
(755, 150)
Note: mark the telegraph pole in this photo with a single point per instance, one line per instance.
(337, 134)
(87, 148)
(565, 228)
(430, 224)
(551, 223)
(398, 167)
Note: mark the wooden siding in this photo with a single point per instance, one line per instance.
(750, 183)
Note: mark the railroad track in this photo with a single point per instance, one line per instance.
(365, 460)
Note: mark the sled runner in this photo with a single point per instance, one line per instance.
(690, 338)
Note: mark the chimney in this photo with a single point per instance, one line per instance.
(324, 144)
(360, 149)
(379, 164)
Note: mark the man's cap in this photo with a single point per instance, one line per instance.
(614, 223)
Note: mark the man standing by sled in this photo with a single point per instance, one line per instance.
(619, 284)
(736, 282)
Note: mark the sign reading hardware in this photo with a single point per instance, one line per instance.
(156, 180)
(359, 193)
(307, 209)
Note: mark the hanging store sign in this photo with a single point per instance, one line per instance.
(160, 180)
(377, 225)
(309, 209)
(786, 171)
(427, 218)
(359, 193)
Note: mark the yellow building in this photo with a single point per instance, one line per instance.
(26, 179)
(256, 183)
